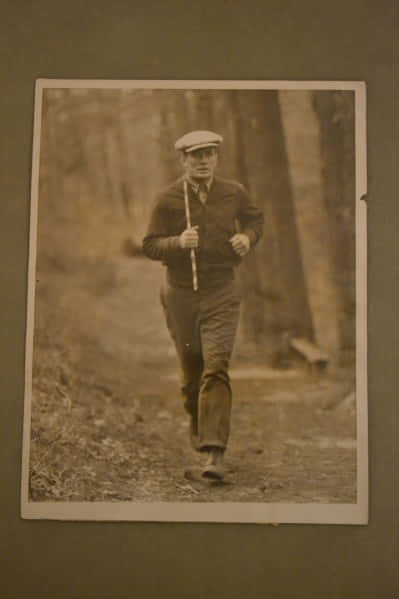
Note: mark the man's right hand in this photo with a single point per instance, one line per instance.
(189, 238)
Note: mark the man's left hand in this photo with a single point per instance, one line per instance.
(240, 243)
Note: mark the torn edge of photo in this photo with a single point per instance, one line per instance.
(196, 345)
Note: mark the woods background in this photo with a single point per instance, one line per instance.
(103, 359)
(106, 153)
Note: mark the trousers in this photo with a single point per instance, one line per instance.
(203, 326)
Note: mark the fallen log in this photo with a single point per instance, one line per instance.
(312, 354)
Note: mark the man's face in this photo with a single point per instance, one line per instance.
(200, 164)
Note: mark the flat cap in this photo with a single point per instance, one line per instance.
(198, 139)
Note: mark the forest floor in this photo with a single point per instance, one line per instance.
(107, 416)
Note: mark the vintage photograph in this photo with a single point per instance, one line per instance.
(196, 332)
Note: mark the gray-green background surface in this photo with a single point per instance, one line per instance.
(214, 40)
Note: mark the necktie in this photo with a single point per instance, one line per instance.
(202, 193)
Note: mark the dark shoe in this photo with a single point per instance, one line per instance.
(214, 467)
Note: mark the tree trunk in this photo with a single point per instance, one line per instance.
(275, 301)
(302, 133)
(335, 112)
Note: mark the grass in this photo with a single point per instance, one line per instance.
(107, 420)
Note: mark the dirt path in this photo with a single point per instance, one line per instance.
(108, 422)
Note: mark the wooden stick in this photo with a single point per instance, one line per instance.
(192, 251)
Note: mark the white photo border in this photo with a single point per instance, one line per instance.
(267, 513)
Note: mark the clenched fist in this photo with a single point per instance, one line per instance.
(189, 238)
(240, 243)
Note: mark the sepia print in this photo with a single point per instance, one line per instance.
(134, 261)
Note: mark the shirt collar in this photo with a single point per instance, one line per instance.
(195, 185)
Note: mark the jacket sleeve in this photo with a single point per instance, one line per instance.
(250, 218)
(157, 243)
